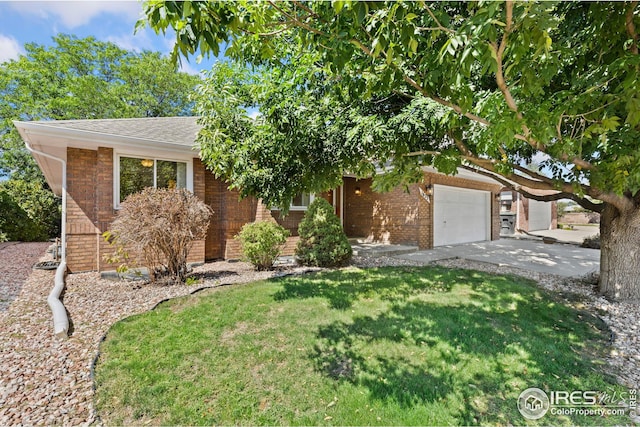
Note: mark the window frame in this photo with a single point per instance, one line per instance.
(169, 158)
(294, 208)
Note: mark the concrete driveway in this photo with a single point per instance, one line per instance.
(560, 259)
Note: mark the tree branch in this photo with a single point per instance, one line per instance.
(299, 23)
(631, 28)
(439, 25)
(585, 203)
(500, 80)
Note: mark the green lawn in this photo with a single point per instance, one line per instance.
(387, 346)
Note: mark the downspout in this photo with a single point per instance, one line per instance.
(60, 319)
(517, 210)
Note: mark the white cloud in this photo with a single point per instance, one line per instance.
(190, 67)
(133, 42)
(9, 48)
(73, 14)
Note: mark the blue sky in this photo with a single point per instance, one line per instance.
(38, 21)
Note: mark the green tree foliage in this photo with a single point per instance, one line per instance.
(38, 202)
(484, 86)
(262, 243)
(83, 79)
(15, 223)
(497, 82)
(322, 240)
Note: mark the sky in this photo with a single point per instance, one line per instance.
(113, 21)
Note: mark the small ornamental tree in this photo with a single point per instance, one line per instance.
(322, 239)
(159, 226)
(262, 243)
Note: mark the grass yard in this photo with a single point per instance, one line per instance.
(386, 346)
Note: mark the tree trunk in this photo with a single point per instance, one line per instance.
(620, 253)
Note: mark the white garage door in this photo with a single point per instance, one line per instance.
(539, 215)
(460, 215)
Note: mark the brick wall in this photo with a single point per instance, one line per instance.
(394, 217)
(104, 204)
(82, 215)
(391, 217)
(399, 217)
(90, 210)
(230, 214)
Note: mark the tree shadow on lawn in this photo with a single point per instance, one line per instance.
(352, 285)
(476, 348)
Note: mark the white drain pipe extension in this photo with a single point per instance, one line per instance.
(60, 319)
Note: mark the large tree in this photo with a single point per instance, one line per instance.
(485, 86)
(77, 79)
(83, 79)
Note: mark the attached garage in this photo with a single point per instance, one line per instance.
(460, 215)
(539, 215)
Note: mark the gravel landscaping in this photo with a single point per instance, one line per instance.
(44, 380)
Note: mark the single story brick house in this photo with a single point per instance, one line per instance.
(106, 160)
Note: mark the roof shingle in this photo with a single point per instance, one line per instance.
(176, 130)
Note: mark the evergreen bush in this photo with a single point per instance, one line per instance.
(323, 242)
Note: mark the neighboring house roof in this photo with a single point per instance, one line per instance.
(533, 191)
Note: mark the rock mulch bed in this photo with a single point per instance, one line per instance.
(12, 273)
(47, 381)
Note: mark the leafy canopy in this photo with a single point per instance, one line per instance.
(83, 79)
(481, 85)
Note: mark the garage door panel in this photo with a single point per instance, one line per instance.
(539, 215)
(460, 215)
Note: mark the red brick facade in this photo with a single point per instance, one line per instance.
(90, 208)
(394, 217)
(401, 217)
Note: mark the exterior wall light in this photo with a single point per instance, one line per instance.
(358, 191)
(428, 190)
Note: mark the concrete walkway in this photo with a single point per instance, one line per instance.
(560, 259)
(577, 235)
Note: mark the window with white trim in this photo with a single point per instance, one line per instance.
(136, 173)
(301, 202)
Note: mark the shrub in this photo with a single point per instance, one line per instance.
(38, 202)
(159, 226)
(262, 243)
(16, 224)
(592, 242)
(322, 239)
(3, 237)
